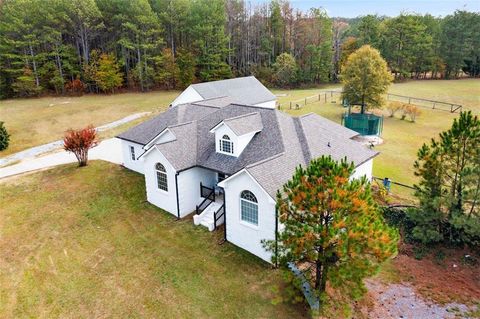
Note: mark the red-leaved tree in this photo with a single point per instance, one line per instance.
(79, 142)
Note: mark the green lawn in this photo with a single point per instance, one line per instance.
(83, 243)
(36, 121)
(33, 121)
(402, 138)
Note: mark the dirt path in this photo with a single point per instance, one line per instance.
(401, 301)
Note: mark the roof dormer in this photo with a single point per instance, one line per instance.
(232, 135)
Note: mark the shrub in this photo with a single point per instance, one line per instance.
(75, 87)
(412, 111)
(4, 137)
(79, 142)
(393, 107)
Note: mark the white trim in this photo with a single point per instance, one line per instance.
(150, 143)
(244, 170)
(217, 126)
(242, 221)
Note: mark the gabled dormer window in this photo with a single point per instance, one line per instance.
(226, 145)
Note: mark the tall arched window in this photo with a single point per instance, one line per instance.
(161, 177)
(249, 207)
(226, 145)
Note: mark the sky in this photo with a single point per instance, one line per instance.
(353, 8)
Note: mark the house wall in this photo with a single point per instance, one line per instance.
(239, 142)
(364, 170)
(165, 200)
(134, 165)
(240, 233)
(189, 187)
(165, 136)
(268, 104)
(189, 95)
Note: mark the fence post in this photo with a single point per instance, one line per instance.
(305, 101)
(290, 105)
(409, 100)
(325, 97)
(319, 96)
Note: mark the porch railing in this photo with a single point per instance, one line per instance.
(219, 213)
(209, 196)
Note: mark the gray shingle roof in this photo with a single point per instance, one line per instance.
(305, 138)
(246, 90)
(243, 124)
(146, 131)
(181, 152)
(216, 102)
(272, 154)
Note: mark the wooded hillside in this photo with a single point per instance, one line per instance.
(72, 46)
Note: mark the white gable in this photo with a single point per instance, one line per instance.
(189, 95)
(165, 136)
(239, 142)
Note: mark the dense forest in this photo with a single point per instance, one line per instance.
(74, 46)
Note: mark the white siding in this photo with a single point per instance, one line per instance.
(240, 233)
(222, 130)
(239, 142)
(189, 187)
(165, 200)
(128, 162)
(189, 95)
(165, 136)
(364, 170)
(268, 104)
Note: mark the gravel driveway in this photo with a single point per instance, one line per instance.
(401, 301)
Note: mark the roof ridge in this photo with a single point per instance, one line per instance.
(307, 155)
(254, 106)
(308, 114)
(179, 124)
(235, 78)
(265, 160)
(209, 99)
(240, 116)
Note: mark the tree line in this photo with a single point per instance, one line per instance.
(71, 46)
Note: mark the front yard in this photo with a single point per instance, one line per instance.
(84, 243)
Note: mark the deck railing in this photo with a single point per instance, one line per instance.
(219, 213)
(209, 196)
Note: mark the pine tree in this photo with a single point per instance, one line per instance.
(331, 227)
(4, 137)
(449, 188)
(167, 70)
(186, 64)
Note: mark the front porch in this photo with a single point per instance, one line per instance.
(210, 212)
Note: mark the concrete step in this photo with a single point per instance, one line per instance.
(206, 218)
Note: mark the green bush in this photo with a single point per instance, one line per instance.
(4, 137)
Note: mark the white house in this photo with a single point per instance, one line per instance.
(224, 160)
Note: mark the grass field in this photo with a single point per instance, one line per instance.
(83, 243)
(36, 121)
(402, 138)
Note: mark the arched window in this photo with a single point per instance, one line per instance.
(249, 207)
(161, 177)
(226, 145)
